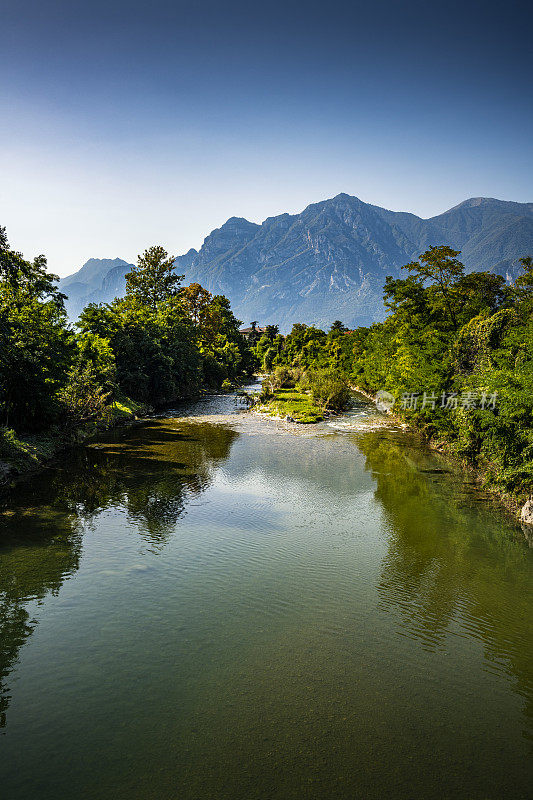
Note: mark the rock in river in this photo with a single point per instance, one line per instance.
(526, 516)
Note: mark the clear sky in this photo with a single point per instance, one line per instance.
(126, 124)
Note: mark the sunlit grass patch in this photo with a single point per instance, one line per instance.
(291, 403)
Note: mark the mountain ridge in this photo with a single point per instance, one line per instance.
(329, 261)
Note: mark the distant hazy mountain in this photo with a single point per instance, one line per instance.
(98, 281)
(330, 261)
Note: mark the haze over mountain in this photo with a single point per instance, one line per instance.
(330, 261)
(100, 280)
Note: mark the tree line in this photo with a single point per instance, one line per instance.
(161, 342)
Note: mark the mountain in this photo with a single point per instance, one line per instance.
(98, 281)
(330, 261)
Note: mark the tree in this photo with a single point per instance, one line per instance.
(153, 280)
(440, 266)
(95, 351)
(254, 333)
(196, 301)
(523, 285)
(83, 399)
(27, 280)
(271, 331)
(480, 293)
(36, 349)
(327, 388)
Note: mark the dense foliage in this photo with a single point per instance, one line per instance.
(456, 353)
(159, 343)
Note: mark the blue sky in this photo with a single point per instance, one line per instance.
(129, 124)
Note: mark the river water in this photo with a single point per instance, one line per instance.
(215, 606)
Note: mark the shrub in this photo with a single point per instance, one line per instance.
(327, 389)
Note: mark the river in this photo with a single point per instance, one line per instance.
(215, 606)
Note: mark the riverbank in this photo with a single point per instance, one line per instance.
(514, 503)
(22, 456)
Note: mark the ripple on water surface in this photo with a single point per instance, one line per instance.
(217, 604)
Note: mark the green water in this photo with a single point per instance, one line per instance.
(216, 606)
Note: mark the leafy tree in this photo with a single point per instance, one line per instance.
(440, 267)
(196, 301)
(523, 285)
(83, 399)
(328, 390)
(271, 331)
(480, 292)
(27, 280)
(153, 280)
(36, 349)
(96, 352)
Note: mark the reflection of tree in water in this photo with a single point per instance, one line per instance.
(449, 560)
(151, 471)
(41, 550)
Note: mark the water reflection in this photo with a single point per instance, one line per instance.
(41, 550)
(152, 472)
(451, 569)
(352, 632)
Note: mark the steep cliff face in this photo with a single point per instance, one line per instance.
(330, 261)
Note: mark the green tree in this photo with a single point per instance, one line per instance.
(83, 399)
(271, 331)
(196, 301)
(439, 266)
(36, 348)
(153, 280)
(523, 286)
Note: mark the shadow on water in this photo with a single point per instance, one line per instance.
(152, 471)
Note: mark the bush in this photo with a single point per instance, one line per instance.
(281, 378)
(83, 399)
(327, 389)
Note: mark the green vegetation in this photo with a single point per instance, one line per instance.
(160, 343)
(21, 454)
(456, 352)
(303, 396)
(291, 403)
